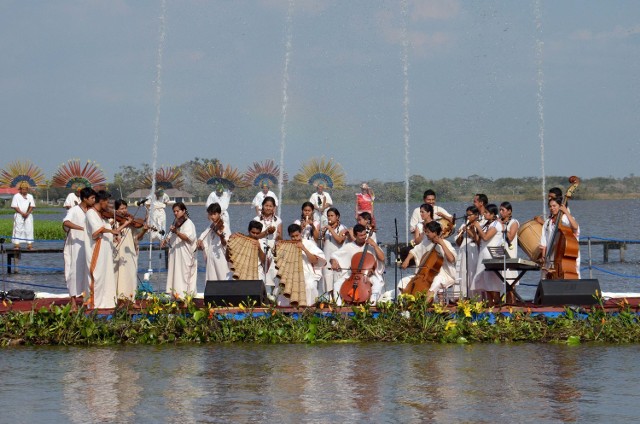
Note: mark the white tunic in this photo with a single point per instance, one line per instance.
(76, 272)
(485, 280)
(102, 287)
(321, 201)
(512, 250)
(158, 216)
(257, 201)
(416, 219)
(182, 274)
(547, 233)
(307, 230)
(330, 245)
(217, 267)
(446, 277)
(71, 201)
(467, 262)
(126, 263)
(22, 228)
(267, 244)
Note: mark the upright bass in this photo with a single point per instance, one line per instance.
(563, 249)
(429, 267)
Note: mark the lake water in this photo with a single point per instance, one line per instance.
(322, 383)
(602, 218)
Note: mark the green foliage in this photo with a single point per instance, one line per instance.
(42, 230)
(412, 320)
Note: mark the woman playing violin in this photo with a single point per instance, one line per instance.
(467, 240)
(331, 240)
(555, 208)
(485, 282)
(126, 252)
(183, 264)
(213, 243)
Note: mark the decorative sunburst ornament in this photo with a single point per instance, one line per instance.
(18, 171)
(264, 172)
(74, 175)
(216, 174)
(166, 178)
(320, 171)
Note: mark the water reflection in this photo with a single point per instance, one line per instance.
(328, 383)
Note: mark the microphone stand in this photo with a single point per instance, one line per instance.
(4, 277)
(395, 291)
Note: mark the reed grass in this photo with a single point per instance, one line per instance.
(42, 229)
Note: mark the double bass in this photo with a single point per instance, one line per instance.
(429, 267)
(357, 288)
(563, 250)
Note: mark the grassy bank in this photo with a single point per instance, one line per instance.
(42, 230)
(406, 322)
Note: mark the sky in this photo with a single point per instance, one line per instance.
(488, 85)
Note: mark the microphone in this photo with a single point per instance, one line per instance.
(141, 202)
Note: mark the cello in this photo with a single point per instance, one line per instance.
(429, 268)
(357, 288)
(563, 250)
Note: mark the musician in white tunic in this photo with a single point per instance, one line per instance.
(488, 283)
(213, 243)
(182, 273)
(73, 198)
(222, 197)
(341, 261)
(439, 213)
(76, 272)
(126, 252)
(321, 201)
(556, 207)
(23, 203)
(331, 240)
(307, 222)
(158, 216)
(261, 195)
(99, 250)
(447, 274)
(467, 258)
(272, 231)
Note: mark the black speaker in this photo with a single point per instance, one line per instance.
(567, 292)
(233, 292)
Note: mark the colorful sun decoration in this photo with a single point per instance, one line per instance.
(320, 171)
(264, 172)
(216, 174)
(73, 175)
(19, 171)
(166, 178)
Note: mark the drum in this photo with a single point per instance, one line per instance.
(447, 227)
(529, 238)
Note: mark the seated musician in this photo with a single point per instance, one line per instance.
(438, 213)
(556, 207)
(255, 232)
(446, 277)
(341, 261)
(313, 260)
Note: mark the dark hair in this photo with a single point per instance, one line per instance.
(492, 208)
(293, 228)
(182, 207)
(334, 210)
(305, 204)
(269, 199)
(214, 208)
(365, 215)
(558, 200)
(254, 224)
(434, 227)
(102, 195)
(87, 192)
(473, 210)
(427, 207)
(506, 205)
(358, 228)
(119, 203)
(556, 190)
(482, 198)
(429, 193)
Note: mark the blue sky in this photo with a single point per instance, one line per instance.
(77, 81)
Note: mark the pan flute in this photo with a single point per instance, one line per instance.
(290, 270)
(243, 255)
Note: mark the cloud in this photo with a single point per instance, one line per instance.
(422, 10)
(616, 33)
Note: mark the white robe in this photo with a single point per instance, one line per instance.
(417, 219)
(22, 228)
(267, 244)
(182, 274)
(257, 200)
(126, 265)
(343, 257)
(217, 267)
(329, 247)
(102, 287)
(447, 275)
(158, 216)
(307, 231)
(71, 200)
(223, 200)
(512, 251)
(486, 280)
(467, 255)
(76, 272)
(321, 201)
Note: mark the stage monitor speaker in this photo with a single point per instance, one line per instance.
(233, 292)
(567, 292)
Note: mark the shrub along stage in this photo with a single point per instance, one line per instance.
(408, 321)
(42, 230)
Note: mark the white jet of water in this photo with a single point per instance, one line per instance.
(405, 119)
(285, 95)
(156, 131)
(540, 99)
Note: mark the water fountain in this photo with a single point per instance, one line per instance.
(405, 120)
(285, 95)
(540, 99)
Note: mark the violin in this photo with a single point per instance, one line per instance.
(357, 288)
(121, 217)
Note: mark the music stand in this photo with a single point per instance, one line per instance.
(499, 252)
